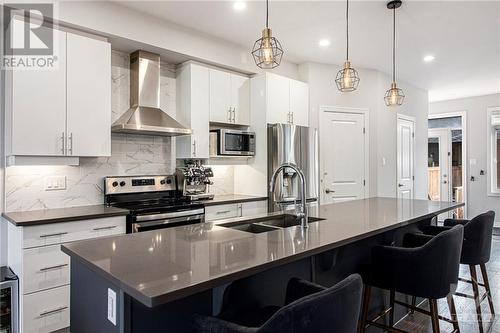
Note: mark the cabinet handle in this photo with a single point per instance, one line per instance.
(54, 235)
(240, 206)
(63, 148)
(223, 212)
(194, 148)
(52, 267)
(70, 142)
(49, 312)
(292, 116)
(234, 115)
(104, 228)
(229, 115)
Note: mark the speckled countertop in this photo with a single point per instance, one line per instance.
(160, 266)
(46, 216)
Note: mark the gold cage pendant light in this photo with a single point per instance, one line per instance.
(267, 51)
(394, 96)
(347, 78)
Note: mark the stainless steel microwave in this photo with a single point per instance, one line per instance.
(226, 142)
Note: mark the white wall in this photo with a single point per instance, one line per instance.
(475, 108)
(113, 19)
(369, 94)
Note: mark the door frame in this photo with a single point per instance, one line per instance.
(414, 121)
(465, 145)
(323, 109)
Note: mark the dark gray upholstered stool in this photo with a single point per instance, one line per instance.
(425, 266)
(476, 251)
(309, 308)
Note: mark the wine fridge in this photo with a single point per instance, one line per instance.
(9, 296)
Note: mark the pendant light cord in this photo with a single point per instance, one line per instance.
(267, 13)
(347, 29)
(394, 44)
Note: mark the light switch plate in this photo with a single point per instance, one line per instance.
(112, 306)
(54, 183)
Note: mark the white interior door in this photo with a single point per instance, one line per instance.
(439, 166)
(405, 158)
(344, 156)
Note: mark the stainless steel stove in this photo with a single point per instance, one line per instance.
(153, 201)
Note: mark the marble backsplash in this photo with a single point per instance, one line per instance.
(131, 155)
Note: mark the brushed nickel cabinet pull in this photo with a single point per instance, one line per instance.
(70, 142)
(105, 228)
(223, 212)
(49, 312)
(52, 267)
(63, 146)
(54, 235)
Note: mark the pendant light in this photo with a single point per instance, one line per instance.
(394, 96)
(347, 78)
(267, 51)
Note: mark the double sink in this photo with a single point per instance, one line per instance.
(267, 223)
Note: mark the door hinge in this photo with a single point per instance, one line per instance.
(364, 130)
(449, 154)
(364, 182)
(412, 177)
(413, 134)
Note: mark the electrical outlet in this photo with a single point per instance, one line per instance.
(112, 306)
(54, 183)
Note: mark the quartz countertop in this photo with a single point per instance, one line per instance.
(160, 266)
(221, 199)
(46, 216)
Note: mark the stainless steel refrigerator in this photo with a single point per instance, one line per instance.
(298, 145)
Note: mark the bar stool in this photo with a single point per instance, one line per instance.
(476, 251)
(309, 308)
(425, 267)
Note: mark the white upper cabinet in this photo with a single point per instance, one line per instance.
(220, 97)
(193, 110)
(37, 110)
(229, 98)
(64, 111)
(287, 100)
(88, 96)
(240, 99)
(299, 102)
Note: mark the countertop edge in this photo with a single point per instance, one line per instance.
(193, 289)
(216, 202)
(63, 219)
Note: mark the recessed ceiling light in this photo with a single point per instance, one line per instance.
(239, 6)
(324, 42)
(429, 58)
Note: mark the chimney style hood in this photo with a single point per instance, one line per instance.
(145, 116)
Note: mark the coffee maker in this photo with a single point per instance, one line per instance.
(193, 181)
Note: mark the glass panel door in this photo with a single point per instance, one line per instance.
(439, 167)
(5, 310)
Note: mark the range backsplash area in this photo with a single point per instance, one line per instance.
(131, 155)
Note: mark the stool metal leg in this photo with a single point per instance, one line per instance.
(434, 315)
(486, 281)
(392, 295)
(413, 303)
(366, 305)
(475, 288)
(453, 312)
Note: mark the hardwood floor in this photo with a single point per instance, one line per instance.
(419, 323)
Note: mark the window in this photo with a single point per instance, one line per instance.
(494, 151)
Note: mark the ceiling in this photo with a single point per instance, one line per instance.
(464, 36)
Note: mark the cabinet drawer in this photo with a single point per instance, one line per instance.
(45, 267)
(46, 311)
(254, 208)
(57, 233)
(219, 212)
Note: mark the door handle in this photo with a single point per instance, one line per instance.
(328, 191)
(400, 185)
(445, 182)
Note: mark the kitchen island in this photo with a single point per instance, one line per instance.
(154, 281)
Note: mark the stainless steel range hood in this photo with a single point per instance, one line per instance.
(145, 116)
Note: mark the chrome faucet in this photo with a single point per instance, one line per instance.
(304, 218)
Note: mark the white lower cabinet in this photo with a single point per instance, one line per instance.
(46, 311)
(226, 211)
(34, 253)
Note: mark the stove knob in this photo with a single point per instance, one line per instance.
(122, 183)
(115, 184)
(169, 181)
(162, 181)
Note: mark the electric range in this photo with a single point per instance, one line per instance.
(153, 202)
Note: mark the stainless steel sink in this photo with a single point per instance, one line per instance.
(268, 223)
(286, 221)
(254, 228)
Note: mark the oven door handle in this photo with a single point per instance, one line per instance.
(137, 226)
(141, 218)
